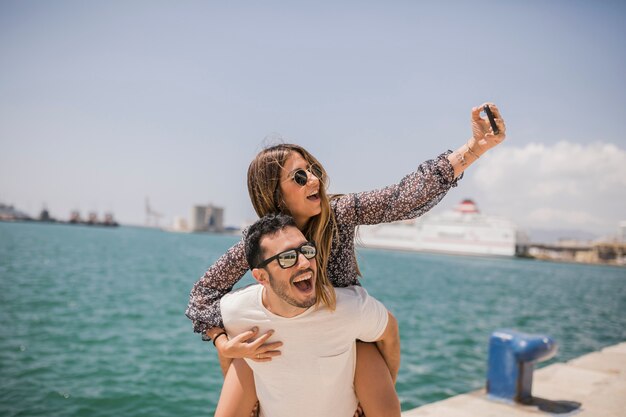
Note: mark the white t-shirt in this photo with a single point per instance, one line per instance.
(314, 375)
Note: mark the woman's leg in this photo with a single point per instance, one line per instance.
(238, 396)
(373, 384)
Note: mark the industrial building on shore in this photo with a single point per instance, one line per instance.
(203, 218)
(610, 250)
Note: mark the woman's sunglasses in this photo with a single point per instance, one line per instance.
(289, 258)
(301, 176)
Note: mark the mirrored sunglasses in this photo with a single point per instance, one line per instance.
(289, 258)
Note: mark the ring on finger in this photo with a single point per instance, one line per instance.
(258, 356)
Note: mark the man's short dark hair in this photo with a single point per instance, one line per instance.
(266, 225)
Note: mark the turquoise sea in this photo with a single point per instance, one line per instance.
(92, 320)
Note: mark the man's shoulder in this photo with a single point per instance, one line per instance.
(351, 294)
(248, 292)
(352, 291)
(367, 316)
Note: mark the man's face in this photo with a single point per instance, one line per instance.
(292, 290)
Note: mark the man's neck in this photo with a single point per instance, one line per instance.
(277, 306)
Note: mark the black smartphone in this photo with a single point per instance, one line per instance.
(492, 121)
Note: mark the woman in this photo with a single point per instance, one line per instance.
(286, 178)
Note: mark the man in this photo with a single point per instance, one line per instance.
(314, 374)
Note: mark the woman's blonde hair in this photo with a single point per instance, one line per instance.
(264, 189)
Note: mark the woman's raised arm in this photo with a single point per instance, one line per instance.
(422, 189)
(413, 196)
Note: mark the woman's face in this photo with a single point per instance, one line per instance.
(303, 202)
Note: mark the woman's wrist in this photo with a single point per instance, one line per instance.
(217, 336)
(464, 156)
(219, 342)
(213, 333)
(474, 147)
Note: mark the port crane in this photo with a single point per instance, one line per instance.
(152, 217)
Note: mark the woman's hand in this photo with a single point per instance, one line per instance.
(483, 137)
(245, 346)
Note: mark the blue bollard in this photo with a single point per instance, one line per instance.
(512, 358)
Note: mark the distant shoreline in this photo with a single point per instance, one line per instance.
(552, 254)
(53, 221)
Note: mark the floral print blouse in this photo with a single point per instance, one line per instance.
(413, 196)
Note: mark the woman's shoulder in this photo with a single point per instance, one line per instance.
(340, 202)
(335, 198)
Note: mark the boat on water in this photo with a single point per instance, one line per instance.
(463, 230)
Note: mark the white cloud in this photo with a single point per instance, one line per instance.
(565, 185)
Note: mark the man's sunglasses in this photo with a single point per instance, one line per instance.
(289, 258)
(301, 176)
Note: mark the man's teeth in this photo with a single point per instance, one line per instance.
(303, 278)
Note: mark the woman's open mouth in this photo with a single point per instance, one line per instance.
(314, 196)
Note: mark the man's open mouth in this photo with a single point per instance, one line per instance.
(304, 282)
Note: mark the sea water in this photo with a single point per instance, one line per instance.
(92, 319)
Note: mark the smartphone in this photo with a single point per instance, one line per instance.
(492, 121)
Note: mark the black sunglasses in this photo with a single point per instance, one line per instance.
(289, 258)
(301, 176)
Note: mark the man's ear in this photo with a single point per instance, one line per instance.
(261, 276)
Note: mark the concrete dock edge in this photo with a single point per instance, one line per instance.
(596, 381)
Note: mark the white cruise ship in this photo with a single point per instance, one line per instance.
(462, 231)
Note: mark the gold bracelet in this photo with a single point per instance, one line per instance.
(471, 151)
(461, 158)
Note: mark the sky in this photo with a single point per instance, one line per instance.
(105, 104)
